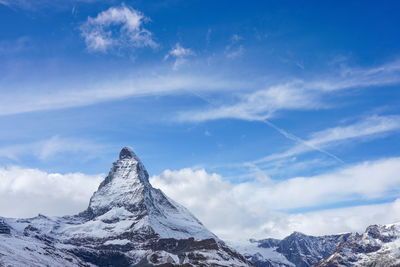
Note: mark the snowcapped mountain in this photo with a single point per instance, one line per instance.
(297, 249)
(127, 223)
(378, 246)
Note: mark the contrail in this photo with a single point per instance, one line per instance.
(201, 97)
(301, 141)
(280, 130)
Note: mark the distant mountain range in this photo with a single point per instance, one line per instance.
(378, 246)
(130, 223)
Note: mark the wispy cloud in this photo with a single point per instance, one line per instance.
(246, 100)
(297, 95)
(370, 127)
(352, 77)
(47, 148)
(234, 49)
(15, 46)
(100, 36)
(51, 95)
(259, 105)
(180, 54)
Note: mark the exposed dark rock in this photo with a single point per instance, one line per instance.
(375, 248)
(4, 228)
(298, 249)
(102, 258)
(127, 153)
(267, 243)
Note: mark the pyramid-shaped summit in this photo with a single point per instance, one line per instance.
(126, 191)
(127, 153)
(127, 223)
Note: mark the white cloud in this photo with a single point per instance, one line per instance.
(256, 209)
(233, 49)
(244, 101)
(100, 37)
(297, 95)
(236, 38)
(332, 221)
(259, 105)
(27, 192)
(232, 210)
(50, 95)
(352, 77)
(234, 53)
(179, 53)
(46, 148)
(371, 127)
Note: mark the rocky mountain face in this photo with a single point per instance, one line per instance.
(304, 250)
(295, 250)
(127, 223)
(378, 246)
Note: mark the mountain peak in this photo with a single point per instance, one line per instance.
(127, 153)
(124, 186)
(127, 192)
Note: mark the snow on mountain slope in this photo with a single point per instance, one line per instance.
(127, 223)
(126, 192)
(263, 256)
(28, 251)
(378, 246)
(296, 249)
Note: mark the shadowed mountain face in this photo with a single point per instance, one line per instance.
(296, 249)
(127, 223)
(304, 250)
(378, 246)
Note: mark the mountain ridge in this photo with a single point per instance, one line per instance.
(378, 246)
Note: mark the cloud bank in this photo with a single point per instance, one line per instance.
(234, 211)
(28, 192)
(256, 209)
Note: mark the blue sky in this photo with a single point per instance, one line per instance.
(259, 95)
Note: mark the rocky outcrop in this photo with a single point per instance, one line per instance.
(296, 249)
(304, 250)
(4, 228)
(378, 246)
